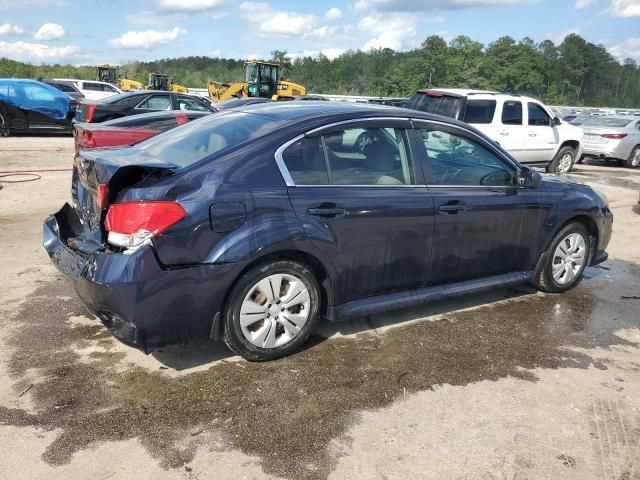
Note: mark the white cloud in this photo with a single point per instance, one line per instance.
(630, 48)
(8, 29)
(559, 36)
(425, 5)
(330, 53)
(34, 52)
(216, 53)
(391, 30)
(272, 22)
(50, 31)
(624, 8)
(146, 39)
(189, 6)
(583, 3)
(333, 14)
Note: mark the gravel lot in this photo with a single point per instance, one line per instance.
(508, 384)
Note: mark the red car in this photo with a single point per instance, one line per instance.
(130, 130)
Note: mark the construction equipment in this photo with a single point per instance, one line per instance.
(159, 81)
(111, 74)
(261, 79)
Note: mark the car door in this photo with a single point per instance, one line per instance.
(363, 205)
(542, 139)
(45, 98)
(508, 128)
(155, 102)
(485, 223)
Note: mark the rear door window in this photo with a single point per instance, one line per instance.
(479, 111)
(156, 102)
(512, 113)
(537, 116)
(354, 156)
(435, 102)
(96, 87)
(186, 103)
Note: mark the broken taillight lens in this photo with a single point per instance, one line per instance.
(87, 139)
(89, 108)
(130, 224)
(614, 136)
(102, 192)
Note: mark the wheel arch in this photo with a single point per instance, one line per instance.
(311, 261)
(575, 144)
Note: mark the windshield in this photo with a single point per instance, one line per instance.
(608, 122)
(203, 138)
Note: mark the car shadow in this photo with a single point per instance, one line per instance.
(199, 353)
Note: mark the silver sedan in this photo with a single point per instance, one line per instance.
(613, 138)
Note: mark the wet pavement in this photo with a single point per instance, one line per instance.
(287, 412)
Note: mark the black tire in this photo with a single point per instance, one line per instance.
(557, 164)
(545, 281)
(634, 158)
(233, 335)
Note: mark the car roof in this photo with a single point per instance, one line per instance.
(459, 91)
(314, 109)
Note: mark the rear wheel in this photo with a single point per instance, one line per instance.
(272, 310)
(567, 258)
(563, 161)
(634, 158)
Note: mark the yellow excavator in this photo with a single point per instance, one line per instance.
(159, 81)
(110, 74)
(261, 79)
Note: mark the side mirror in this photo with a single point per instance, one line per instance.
(555, 121)
(530, 178)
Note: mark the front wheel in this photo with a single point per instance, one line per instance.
(563, 161)
(272, 310)
(634, 158)
(567, 257)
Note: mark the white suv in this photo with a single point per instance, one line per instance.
(93, 90)
(523, 126)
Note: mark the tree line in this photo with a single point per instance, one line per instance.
(574, 72)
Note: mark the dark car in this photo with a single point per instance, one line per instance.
(130, 130)
(32, 106)
(133, 103)
(252, 224)
(67, 87)
(241, 102)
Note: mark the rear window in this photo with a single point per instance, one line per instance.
(479, 111)
(441, 104)
(609, 122)
(204, 138)
(125, 98)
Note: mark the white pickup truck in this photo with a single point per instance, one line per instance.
(523, 126)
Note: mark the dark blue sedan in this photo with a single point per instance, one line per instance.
(252, 224)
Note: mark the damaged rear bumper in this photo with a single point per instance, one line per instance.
(141, 302)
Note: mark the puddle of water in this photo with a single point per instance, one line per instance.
(288, 411)
(606, 178)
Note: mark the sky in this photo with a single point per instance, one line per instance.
(117, 31)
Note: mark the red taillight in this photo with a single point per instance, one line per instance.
(131, 223)
(103, 195)
(181, 118)
(89, 108)
(434, 94)
(614, 136)
(87, 139)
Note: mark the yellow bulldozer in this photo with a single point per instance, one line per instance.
(111, 74)
(261, 79)
(159, 81)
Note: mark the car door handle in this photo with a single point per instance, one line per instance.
(504, 133)
(532, 134)
(453, 208)
(326, 211)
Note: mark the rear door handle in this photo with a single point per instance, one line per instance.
(453, 209)
(532, 134)
(504, 132)
(326, 212)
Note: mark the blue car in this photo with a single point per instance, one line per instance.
(251, 225)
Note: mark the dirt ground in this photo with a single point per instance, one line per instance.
(508, 384)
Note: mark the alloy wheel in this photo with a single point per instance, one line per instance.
(635, 157)
(275, 310)
(565, 163)
(569, 258)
